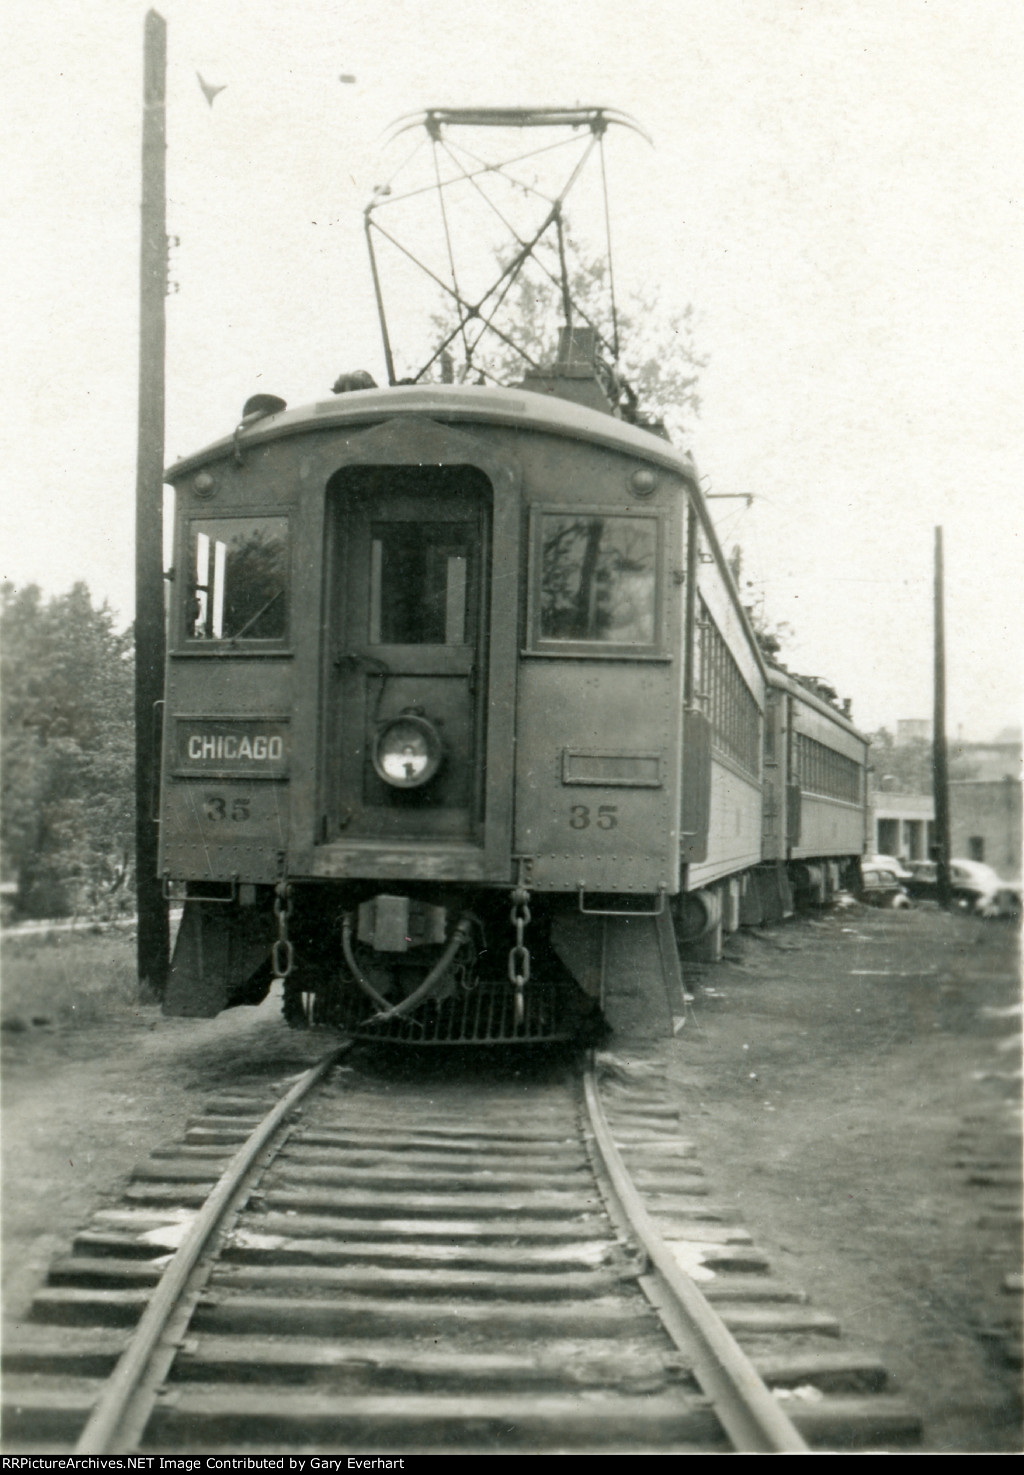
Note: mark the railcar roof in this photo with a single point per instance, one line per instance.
(796, 688)
(522, 409)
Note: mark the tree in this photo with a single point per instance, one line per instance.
(906, 767)
(658, 359)
(901, 768)
(68, 749)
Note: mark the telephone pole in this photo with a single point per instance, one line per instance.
(940, 765)
(153, 934)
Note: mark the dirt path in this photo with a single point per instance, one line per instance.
(82, 1105)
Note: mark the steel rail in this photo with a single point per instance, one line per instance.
(749, 1414)
(107, 1416)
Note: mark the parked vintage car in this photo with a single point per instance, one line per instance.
(975, 887)
(881, 887)
(890, 863)
(1007, 901)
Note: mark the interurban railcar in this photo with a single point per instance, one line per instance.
(466, 729)
(815, 767)
(466, 724)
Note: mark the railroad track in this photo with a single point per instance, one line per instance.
(527, 1262)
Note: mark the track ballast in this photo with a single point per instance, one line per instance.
(435, 1264)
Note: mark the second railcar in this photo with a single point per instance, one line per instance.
(816, 796)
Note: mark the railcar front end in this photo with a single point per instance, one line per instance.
(423, 742)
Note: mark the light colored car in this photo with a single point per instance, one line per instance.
(975, 874)
(975, 887)
(983, 889)
(889, 863)
(1006, 902)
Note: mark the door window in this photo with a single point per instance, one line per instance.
(420, 583)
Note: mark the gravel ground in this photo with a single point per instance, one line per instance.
(845, 1077)
(829, 1070)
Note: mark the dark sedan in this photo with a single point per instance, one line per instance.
(881, 887)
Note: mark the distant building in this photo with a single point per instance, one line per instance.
(985, 823)
(988, 762)
(903, 825)
(985, 806)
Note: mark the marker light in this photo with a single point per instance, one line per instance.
(407, 752)
(643, 481)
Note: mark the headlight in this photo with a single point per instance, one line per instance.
(407, 752)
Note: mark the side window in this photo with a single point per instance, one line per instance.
(730, 705)
(238, 579)
(595, 580)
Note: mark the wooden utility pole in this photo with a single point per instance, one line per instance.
(940, 764)
(153, 933)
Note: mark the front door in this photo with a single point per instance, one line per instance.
(407, 650)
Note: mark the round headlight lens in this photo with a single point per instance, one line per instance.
(407, 752)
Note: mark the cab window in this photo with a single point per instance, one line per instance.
(595, 580)
(238, 579)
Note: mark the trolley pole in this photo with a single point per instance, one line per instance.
(940, 765)
(153, 933)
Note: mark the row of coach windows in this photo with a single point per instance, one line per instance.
(238, 579)
(728, 702)
(821, 770)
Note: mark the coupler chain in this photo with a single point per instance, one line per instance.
(519, 953)
(281, 952)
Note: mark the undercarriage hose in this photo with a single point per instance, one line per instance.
(460, 934)
(363, 982)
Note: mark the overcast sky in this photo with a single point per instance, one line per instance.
(835, 187)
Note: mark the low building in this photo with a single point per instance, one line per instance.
(988, 762)
(985, 801)
(903, 824)
(985, 823)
